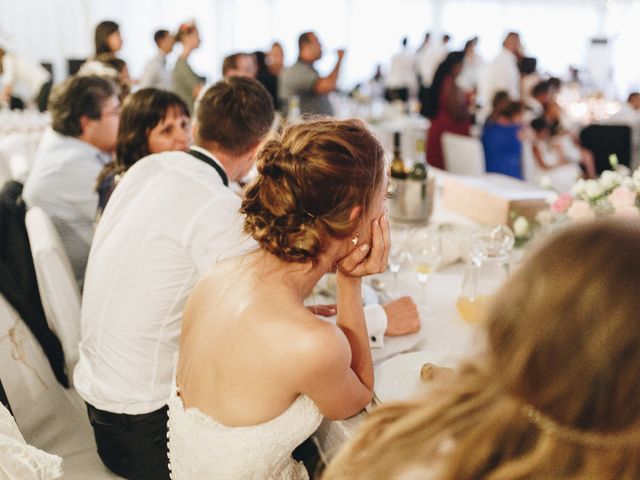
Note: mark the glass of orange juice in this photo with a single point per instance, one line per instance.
(487, 270)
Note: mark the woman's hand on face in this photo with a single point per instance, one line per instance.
(368, 260)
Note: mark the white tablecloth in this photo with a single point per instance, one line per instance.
(442, 328)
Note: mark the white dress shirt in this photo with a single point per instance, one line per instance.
(501, 74)
(170, 219)
(62, 182)
(401, 73)
(156, 74)
(429, 60)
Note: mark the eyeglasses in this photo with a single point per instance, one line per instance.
(114, 112)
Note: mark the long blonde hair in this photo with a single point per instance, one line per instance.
(557, 394)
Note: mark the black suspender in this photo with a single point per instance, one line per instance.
(3, 398)
(212, 163)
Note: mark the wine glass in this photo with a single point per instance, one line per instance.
(399, 254)
(426, 254)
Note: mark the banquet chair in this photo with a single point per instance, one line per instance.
(605, 140)
(50, 417)
(56, 283)
(73, 65)
(463, 155)
(5, 169)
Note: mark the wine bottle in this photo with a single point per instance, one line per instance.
(418, 171)
(397, 164)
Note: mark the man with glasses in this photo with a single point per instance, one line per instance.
(85, 114)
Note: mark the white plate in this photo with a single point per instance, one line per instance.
(399, 377)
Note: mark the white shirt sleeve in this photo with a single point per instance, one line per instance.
(376, 320)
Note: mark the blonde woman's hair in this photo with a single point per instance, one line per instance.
(557, 394)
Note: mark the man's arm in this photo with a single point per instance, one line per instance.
(328, 84)
(394, 318)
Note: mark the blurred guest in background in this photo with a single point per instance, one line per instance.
(107, 38)
(502, 73)
(498, 105)
(555, 394)
(447, 108)
(431, 56)
(184, 80)
(151, 121)
(22, 82)
(502, 140)
(239, 65)
(85, 113)
(401, 80)
(303, 80)
(471, 67)
(629, 115)
(120, 73)
(539, 99)
(269, 67)
(108, 42)
(156, 74)
(425, 43)
(550, 159)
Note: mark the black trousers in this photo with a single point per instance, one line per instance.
(132, 446)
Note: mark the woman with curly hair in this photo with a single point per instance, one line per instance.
(257, 370)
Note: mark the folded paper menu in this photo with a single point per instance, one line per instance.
(490, 199)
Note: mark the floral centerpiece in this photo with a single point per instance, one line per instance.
(615, 192)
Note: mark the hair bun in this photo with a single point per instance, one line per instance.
(310, 179)
(274, 159)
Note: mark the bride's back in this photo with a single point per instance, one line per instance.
(241, 333)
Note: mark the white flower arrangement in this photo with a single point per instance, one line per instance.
(615, 192)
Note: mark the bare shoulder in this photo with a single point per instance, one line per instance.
(319, 345)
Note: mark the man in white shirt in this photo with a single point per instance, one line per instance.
(401, 81)
(430, 59)
(85, 113)
(170, 219)
(156, 74)
(502, 73)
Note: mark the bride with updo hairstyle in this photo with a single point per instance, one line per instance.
(257, 371)
(309, 181)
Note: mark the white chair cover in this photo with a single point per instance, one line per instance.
(56, 283)
(50, 417)
(463, 155)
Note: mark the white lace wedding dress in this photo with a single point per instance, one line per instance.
(201, 448)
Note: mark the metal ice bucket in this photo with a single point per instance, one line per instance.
(411, 201)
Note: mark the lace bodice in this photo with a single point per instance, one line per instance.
(201, 448)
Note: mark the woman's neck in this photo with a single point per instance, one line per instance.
(298, 278)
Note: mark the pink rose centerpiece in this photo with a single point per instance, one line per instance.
(613, 193)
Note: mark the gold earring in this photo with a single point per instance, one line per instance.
(355, 240)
